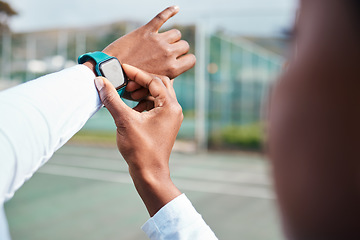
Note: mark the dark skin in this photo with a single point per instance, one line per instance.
(138, 134)
(145, 139)
(158, 53)
(313, 127)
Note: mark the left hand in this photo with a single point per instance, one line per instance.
(154, 52)
(145, 139)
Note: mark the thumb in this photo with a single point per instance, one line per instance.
(111, 99)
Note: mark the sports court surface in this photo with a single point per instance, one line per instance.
(86, 193)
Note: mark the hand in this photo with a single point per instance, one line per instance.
(145, 139)
(157, 53)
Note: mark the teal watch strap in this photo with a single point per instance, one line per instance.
(120, 91)
(98, 57)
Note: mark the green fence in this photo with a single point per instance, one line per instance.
(238, 74)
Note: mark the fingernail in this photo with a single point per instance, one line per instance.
(99, 83)
(176, 7)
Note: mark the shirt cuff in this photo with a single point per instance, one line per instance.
(177, 220)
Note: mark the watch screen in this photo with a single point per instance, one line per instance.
(112, 70)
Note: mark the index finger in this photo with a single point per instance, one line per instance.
(154, 84)
(162, 17)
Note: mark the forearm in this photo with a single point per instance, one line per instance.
(172, 214)
(145, 140)
(38, 118)
(156, 189)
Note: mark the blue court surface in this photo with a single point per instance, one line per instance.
(86, 193)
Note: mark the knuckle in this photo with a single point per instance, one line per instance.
(170, 9)
(180, 111)
(172, 69)
(156, 80)
(177, 33)
(155, 37)
(145, 35)
(186, 44)
(166, 81)
(161, 17)
(176, 109)
(164, 78)
(168, 51)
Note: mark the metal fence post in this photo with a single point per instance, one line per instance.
(201, 132)
(226, 81)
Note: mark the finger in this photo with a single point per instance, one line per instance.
(171, 89)
(127, 95)
(153, 83)
(171, 36)
(169, 85)
(181, 47)
(140, 94)
(132, 86)
(150, 98)
(184, 63)
(111, 99)
(144, 105)
(156, 23)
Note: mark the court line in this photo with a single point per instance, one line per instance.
(190, 185)
(227, 189)
(201, 173)
(103, 153)
(92, 174)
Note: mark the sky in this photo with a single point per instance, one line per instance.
(251, 17)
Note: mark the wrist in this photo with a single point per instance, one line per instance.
(155, 188)
(115, 52)
(151, 179)
(90, 64)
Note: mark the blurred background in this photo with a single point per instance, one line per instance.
(240, 45)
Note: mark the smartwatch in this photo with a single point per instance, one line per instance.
(108, 67)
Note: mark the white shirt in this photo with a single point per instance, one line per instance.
(178, 220)
(40, 116)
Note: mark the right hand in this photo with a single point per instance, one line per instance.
(145, 139)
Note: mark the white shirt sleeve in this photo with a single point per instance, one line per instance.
(178, 220)
(37, 118)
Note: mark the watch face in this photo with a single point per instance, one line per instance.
(112, 70)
